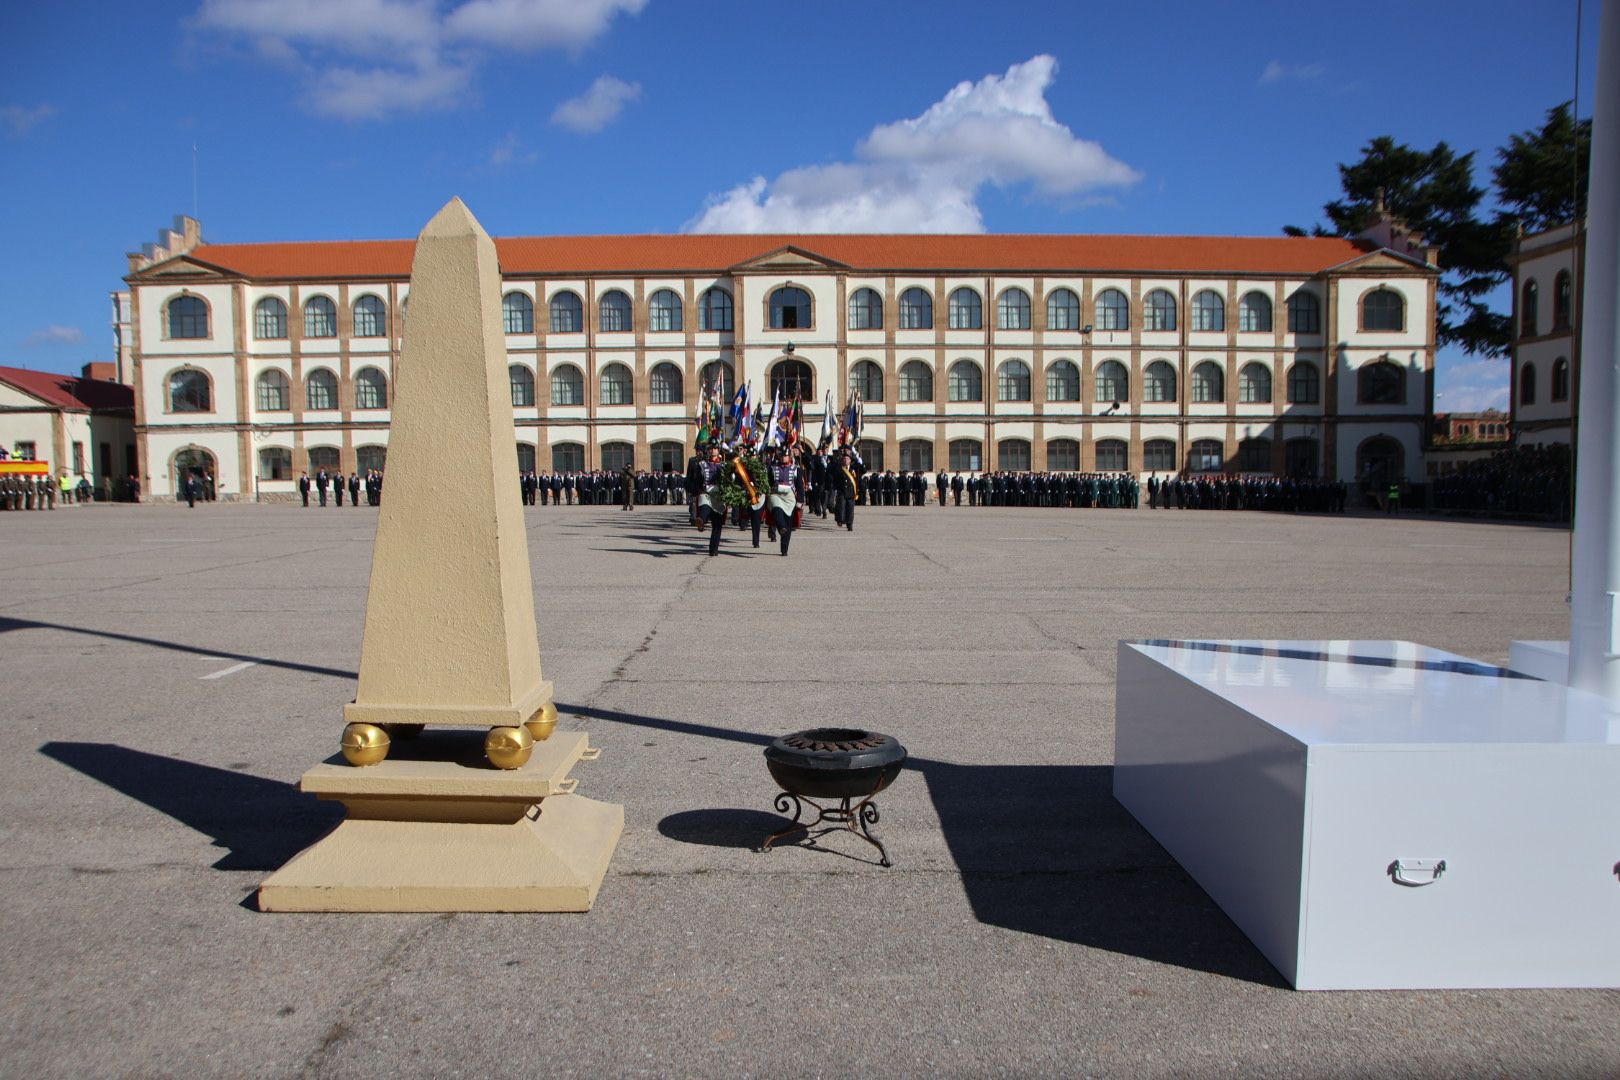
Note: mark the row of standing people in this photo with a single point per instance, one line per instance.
(601, 487)
(1285, 494)
(41, 491)
(336, 483)
(794, 483)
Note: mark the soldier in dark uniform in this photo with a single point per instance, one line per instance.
(956, 489)
(322, 482)
(303, 486)
(627, 487)
(711, 510)
(843, 483)
(782, 502)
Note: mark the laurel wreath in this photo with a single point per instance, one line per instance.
(732, 491)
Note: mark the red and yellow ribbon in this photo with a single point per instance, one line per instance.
(747, 481)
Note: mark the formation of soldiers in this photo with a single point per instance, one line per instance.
(602, 487)
(1529, 481)
(37, 492)
(336, 484)
(1283, 494)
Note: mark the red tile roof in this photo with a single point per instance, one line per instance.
(597, 255)
(69, 391)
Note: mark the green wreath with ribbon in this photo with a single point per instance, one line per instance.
(733, 492)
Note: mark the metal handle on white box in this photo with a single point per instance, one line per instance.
(1416, 873)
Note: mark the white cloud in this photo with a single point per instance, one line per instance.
(536, 24)
(597, 107)
(1277, 71)
(54, 335)
(924, 174)
(366, 59)
(1469, 384)
(511, 151)
(18, 119)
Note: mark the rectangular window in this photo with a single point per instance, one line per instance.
(78, 458)
(1159, 455)
(1111, 455)
(25, 451)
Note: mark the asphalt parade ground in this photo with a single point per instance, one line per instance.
(167, 674)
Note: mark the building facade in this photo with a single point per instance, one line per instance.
(1547, 278)
(1308, 356)
(83, 426)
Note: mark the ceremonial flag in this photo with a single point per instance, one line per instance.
(737, 418)
(771, 434)
(796, 420)
(829, 421)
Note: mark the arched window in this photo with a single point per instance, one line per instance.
(793, 379)
(964, 382)
(916, 309)
(865, 310)
(664, 312)
(370, 389)
(1383, 310)
(323, 457)
(718, 372)
(617, 385)
(917, 455)
(1159, 310)
(871, 454)
(1012, 381)
(270, 319)
(1208, 311)
(1304, 384)
(1560, 380)
(517, 312)
(916, 381)
(866, 380)
(1062, 381)
(567, 313)
(1062, 310)
(1159, 455)
(1300, 457)
(1062, 455)
(370, 317)
(373, 458)
(188, 317)
(1012, 310)
(964, 309)
(790, 309)
(1254, 455)
(1159, 382)
(1254, 384)
(1208, 383)
(320, 390)
(320, 317)
(613, 312)
(190, 391)
(525, 457)
(665, 385)
(1254, 313)
(617, 455)
(1113, 455)
(1563, 300)
(1012, 455)
(275, 463)
(1381, 383)
(1304, 313)
(1111, 382)
(568, 457)
(1206, 455)
(1380, 460)
(273, 391)
(1113, 310)
(966, 455)
(714, 311)
(1527, 384)
(522, 382)
(567, 385)
(667, 456)
(1529, 300)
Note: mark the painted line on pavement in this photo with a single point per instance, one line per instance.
(232, 670)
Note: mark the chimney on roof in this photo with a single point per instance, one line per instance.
(100, 371)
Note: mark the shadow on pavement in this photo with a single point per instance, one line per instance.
(262, 823)
(1042, 849)
(8, 624)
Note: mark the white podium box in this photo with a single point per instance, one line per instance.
(1381, 815)
(1544, 659)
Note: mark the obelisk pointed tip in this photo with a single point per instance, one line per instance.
(453, 220)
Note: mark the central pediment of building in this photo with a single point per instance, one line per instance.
(788, 257)
(182, 267)
(1381, 259)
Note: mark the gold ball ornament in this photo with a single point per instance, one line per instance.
(364, 744)
(542, 723)
(508, 747)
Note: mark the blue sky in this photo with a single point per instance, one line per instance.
(356, 119)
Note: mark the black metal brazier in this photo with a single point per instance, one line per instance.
(833, 763)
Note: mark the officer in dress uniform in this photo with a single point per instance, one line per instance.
(787, 484)
(711, 510)
(844, 484)
(303, 487)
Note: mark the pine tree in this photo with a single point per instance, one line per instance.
(1541, 176)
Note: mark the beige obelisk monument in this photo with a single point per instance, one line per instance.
(450, 641)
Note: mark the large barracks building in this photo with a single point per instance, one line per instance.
(1310, 357)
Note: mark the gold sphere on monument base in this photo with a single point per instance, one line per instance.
(508, 747)
(542, 723)
(364, 744)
